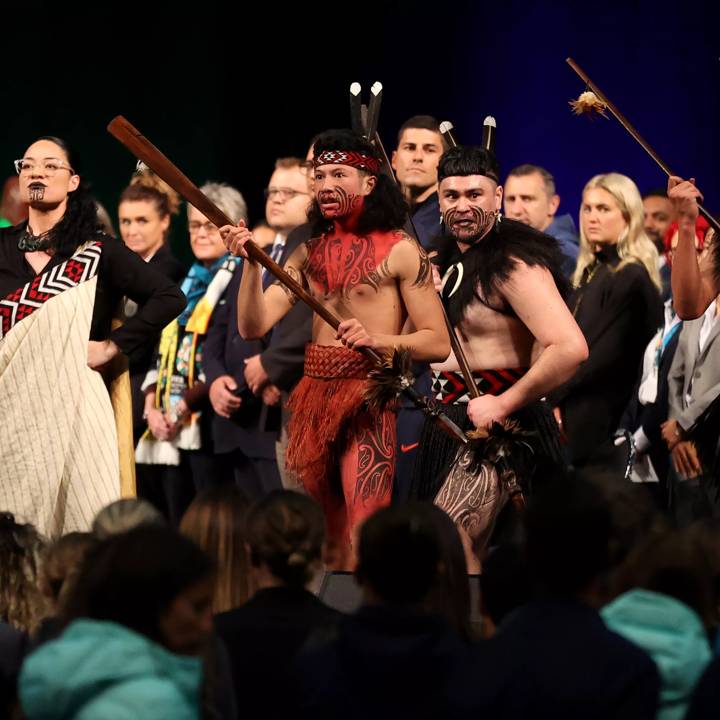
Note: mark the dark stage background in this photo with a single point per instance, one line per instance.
(223, 93)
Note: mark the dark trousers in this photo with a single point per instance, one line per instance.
(256, 477)
(171, 488)
(693, 499)
(410, 422)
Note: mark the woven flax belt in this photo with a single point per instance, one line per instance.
(325, 362)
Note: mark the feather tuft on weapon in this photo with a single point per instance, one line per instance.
(506, 440)
(588, 104)
(387, 380)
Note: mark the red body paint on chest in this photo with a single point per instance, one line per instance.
(339, 262)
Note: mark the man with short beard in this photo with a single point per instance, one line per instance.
(658, 215)
(503, 291)
(362, 268)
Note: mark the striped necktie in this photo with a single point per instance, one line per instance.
(275, 252)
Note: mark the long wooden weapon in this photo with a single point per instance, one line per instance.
(143, 149)
(497, 434)
(371, 134)
(446, 128)
(514, 489)
(368, 128)
(588, 105)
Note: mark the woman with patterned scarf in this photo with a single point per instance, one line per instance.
(175, 456)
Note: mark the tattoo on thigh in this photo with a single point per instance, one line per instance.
(376, 459)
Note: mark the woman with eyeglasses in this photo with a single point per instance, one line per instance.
(175, 455)
(61, 282)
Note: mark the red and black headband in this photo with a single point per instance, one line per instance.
(353, 158)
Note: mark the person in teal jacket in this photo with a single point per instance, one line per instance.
(140, 620)
(105, 670)
(667, 615)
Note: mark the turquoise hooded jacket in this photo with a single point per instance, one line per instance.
(674, 637)
(104, 670)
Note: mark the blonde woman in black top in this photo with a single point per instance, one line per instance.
(616, 303)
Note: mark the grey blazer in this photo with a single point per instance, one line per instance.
(694, 373)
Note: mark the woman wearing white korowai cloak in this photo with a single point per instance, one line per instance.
(61, 280)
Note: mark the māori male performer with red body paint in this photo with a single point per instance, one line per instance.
(376, 278)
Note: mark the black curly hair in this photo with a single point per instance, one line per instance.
(80, 222)
(464, 160)
(385, 208)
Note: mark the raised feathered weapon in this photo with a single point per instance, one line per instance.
(593, 101)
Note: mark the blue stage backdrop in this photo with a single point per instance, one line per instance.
(225, 97)
(660, 66)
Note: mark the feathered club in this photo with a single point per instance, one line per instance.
(500, 440)
(387, 380)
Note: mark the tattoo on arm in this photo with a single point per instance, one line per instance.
(424, 271)
(374, 278)
(295, 275)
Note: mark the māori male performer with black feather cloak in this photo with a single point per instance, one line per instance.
(503, 288)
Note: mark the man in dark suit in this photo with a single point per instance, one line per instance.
(273, 373)
(647, 410)
(247, 378)
(415, 162)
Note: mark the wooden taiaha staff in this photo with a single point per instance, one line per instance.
(371, 134)
(634, 133)
(143, 149)
(446, 128)
(489, 127)
(488, 142)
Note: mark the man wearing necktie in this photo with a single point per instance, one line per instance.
(247, 377)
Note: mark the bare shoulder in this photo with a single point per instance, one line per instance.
(410, 261)
(404, 243)
(522, 273)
